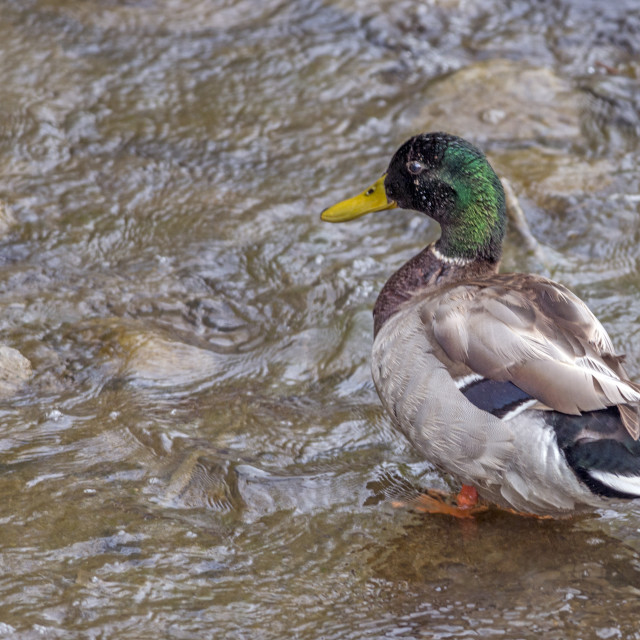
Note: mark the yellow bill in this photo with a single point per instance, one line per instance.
(372, 199)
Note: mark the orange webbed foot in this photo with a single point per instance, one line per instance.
(464, 505)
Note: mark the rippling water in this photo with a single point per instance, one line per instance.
(200, 451)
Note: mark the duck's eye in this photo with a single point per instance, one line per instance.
(414, 167)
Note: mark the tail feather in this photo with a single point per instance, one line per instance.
(624, 486)
(600, 450)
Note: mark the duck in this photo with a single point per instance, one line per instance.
(505, 382)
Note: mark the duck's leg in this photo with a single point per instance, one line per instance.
(465, 504)
(467, 497)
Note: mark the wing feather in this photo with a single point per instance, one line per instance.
(541, 337)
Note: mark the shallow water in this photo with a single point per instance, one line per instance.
(200, 451)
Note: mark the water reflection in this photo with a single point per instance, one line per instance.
(506, 573)
(199, 451)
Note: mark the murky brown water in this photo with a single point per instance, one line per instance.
(200, 452)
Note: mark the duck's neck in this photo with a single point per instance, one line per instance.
(473, 221)
(427, 270)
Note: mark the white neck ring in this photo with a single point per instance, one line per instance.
(459, 262)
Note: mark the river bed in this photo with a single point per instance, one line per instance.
(195, 448)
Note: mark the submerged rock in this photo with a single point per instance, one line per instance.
(15, 370)
(505, 101)
(548, 174)
(158, 360)
(203, 479)
(7, 219)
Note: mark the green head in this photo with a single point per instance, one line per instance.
(451, 181)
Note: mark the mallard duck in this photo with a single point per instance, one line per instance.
(505, 381)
